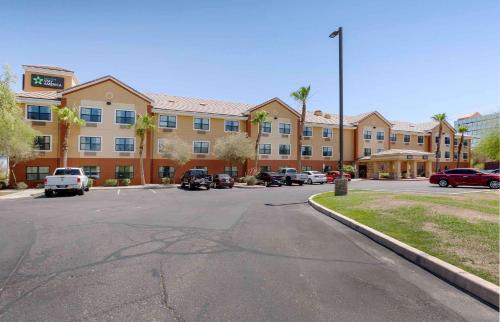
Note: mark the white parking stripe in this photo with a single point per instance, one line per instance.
(152, 191)
(118, 192)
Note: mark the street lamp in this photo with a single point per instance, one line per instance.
(340, 181)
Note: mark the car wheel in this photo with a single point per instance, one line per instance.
(3, 185)
(191, 186)
(268, 184)
(309, 181)
(288, 181)
(280, 185)
(49, 193)
(321, 182)
(493, 184)
(81, 192)
(443, 183)
(208, 187)
(87, 188)
(301, 183)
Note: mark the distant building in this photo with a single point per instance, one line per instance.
(478, 124)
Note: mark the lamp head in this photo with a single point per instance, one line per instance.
(334, 34)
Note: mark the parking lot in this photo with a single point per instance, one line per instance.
(223, 254)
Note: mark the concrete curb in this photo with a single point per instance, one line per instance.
(244, 186)
(484, 290)
(148, 186)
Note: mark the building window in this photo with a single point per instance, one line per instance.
(92, 171)
(307, 150)
(308, 131)
(266, 127)
(465, 155)
(36, 173)
(420, 139)
(406, 138)
(367, 134)
(380, 136)
(265, 148)
(200, 147)
(91, 114)
(124, 145)
(285, 128)
(201, 123)
(166, 172)
(446, 154)
(455, 141)
(231, 171)
(466, 142)
(125, 117)
(306, 168)
(231, 126)
(394, 137)
(42, 143)
(90, 143)
(39, 113)
(265, 168)
(447, 140)
(327, 151)
(168, 121)
(284, 149)
(327, 132)
(124, 172)
(367, 152)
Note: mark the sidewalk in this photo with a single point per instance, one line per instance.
(21, 193)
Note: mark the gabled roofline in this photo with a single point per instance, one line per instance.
(275, 99)
(104, 79)
(370, 114)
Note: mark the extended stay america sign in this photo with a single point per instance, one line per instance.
(47, 81)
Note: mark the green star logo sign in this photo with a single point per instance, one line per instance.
(37, 80)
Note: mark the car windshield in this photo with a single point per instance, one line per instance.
(314, 172)
(197, 172)
(291, 171)
(65, 172)
(225, 176)
(273, 174)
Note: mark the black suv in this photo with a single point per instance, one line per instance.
(196, 178)
(269, 179)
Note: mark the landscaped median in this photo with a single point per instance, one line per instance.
(432, 231)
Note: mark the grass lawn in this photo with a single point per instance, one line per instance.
(462, 230)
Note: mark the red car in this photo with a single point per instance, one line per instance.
(465, 177)
(332, 175)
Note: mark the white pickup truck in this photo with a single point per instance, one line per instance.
(290, 175)
(66, 179)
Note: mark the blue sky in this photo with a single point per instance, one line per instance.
(406, 59)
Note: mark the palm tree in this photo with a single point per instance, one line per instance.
(143, 124)
(68, 116)
(461, 129)
(301, 95)
(259, 119)
(441, 118)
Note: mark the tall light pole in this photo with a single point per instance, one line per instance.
(340, 181)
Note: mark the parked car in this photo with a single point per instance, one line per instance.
(332, 175)
(66, 180)
(269, 179)
(196, 178)
(315, 177)
(465, 177)
(222, 181)
(291, 175)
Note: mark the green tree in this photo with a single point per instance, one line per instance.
(16, 136)
(142, 126)
(302, 96)
(68, 116)
(176, 149)
(462, 129)
(489, 145)
(234, 148)
(441, 118)
(259, 119)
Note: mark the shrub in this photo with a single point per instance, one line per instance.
(40, 186)
(21, 186)
(242, 180)
(165, 180)
(251, 181)
(124, 182)
(110, 183)
(90, 184)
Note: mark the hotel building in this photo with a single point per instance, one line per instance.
(106, 146)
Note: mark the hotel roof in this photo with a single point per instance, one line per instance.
(56, 68)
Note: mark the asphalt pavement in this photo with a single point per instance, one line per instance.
(217, 255)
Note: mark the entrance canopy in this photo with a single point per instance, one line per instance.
(397, 163)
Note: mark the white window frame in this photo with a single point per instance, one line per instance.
(202, 117)
(123, 137)
(323, 133)
(423, 139)
(270, 122)
(95, 107)
(166, 127)
(395, 137)
(192, 150)
(231, 120)
(91, 136)
(308, 136)
(279, 128)
(371, 134)
(32, 120)
(376, 136)
(49, 150)
(322, 150)
(303, 154)
(271, 150)
(124, 110)
(289, 148)
(404, 135)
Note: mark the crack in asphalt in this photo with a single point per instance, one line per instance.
(164, 297)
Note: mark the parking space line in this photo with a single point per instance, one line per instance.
(118, 192)
(152, 190)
